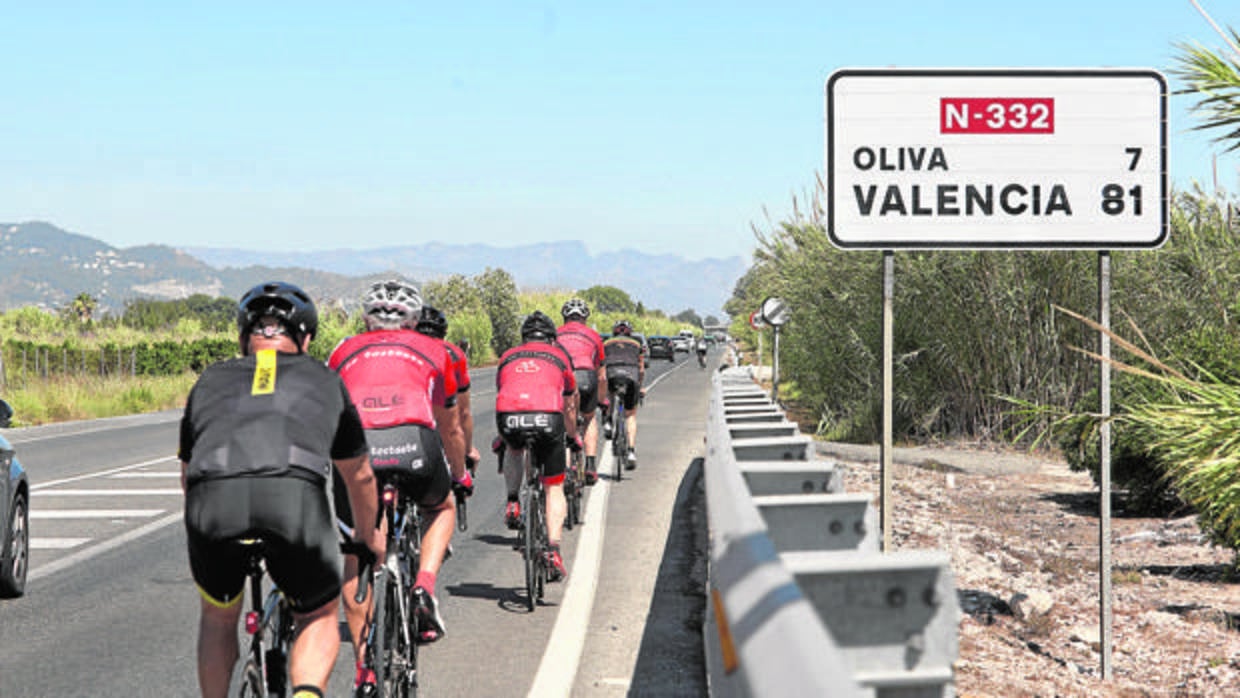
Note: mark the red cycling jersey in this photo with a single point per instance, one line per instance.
(534, 377)
(395, 377)
(584, 345)
(460, 366)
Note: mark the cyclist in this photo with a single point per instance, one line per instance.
(432, 322)
(403, 386)
(258, 439)
(625, 363)
(585, 348)
(700, 346)
(537, 397)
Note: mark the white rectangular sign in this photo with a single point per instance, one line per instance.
(988, 159)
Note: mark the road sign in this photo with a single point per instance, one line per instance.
(756, 321)
(774, 311)
(985, 159)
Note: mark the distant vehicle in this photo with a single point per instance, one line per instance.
(661, 347)
(14, 516)
(682, 343)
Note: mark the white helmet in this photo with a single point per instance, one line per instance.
(392, 304)
(575, 307)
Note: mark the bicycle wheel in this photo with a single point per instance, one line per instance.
(276, 656)
(543, 545)
(529, 506)
(579, 470)
(396, 645)
(252, 681)
(619, 444)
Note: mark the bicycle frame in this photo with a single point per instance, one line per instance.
(619, 432)
(266, 668)
(391, 647)
(533, 534)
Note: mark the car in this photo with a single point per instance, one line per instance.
(682, 343)
(661, 347)
(15, 516)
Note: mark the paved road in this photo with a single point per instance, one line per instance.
(111, 609)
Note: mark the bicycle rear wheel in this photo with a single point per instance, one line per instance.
(619, 444)
(396, 644)
(532, 551)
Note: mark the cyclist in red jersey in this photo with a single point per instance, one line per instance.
(537, 397)
(585, 348)
(405, 391)
(433, 323)
(625, 364)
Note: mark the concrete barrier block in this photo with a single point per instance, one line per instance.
(756, 430)
(894, 615)
(769, 416)
(772, 448)
(837, 522)
(729, 410)
(793, 477)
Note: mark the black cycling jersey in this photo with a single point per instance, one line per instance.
(289, 414)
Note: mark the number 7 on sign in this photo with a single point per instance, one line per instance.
(1136, 157)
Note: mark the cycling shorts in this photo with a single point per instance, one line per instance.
(291, 514)
(545, 431)
(587, 389)
(409, 456)
(617, 378)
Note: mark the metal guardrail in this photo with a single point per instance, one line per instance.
(803, 602)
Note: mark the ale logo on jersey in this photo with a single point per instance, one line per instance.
(526, 366)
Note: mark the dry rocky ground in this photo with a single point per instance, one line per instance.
(1025, 557)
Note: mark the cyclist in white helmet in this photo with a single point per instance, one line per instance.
(585, 348)
(405, 390)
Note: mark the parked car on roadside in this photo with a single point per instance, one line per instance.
(14, 516)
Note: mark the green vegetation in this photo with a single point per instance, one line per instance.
(71, 365)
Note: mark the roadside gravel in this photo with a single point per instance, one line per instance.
(1023, 533)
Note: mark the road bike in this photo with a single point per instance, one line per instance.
(269, 623)
(532, 535)
(392, 632)
(575, 479)
(619, 431)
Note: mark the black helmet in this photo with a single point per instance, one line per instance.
(283, 301)
(622, 327)
(432, 322)
(575, 307)
(537, 327)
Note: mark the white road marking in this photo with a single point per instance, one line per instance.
(558, 669)
(112, 493)
(56, 543)
(93, 513)
(170, 473)
(101, 473)
(87, 553)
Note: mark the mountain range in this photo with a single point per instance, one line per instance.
(43, 265)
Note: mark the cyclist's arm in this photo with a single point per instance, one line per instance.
(359, 480)
(448, 420)
(467, 424)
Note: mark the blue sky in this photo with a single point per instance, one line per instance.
(666, 127)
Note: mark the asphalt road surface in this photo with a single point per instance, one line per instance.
(111, 609)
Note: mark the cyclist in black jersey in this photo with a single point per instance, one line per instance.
(626, 365)
(258, 440)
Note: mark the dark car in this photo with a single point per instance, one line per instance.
(661, 347)
(15, 515)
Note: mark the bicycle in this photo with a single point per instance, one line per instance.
(392, 632)
(459, 493)
(619, 433)
(532, 536)
(575, 479)
(269, 623)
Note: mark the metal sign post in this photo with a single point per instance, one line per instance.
(774, 312)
